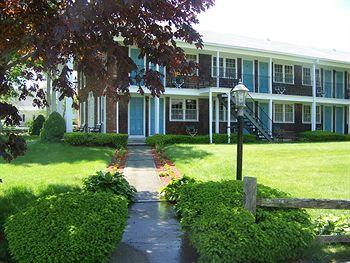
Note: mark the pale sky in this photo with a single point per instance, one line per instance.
(312, 23)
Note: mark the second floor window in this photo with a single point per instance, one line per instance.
(283, 73)
(227, 68)
(184, 110)
(230, 70)
(215, 67)
(283, 113)
(306, 76)
(193, 58)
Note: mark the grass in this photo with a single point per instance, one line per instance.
(308, 170)
(47, 164)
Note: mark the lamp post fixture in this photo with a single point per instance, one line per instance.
(239, 94)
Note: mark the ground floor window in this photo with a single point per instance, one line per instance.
(183, 110)
(307, 114)
(283, 113)
(222, 113)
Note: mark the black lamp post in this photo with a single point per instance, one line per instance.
(239, 94)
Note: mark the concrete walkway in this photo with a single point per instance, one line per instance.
(153, 233)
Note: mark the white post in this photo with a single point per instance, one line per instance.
(53, 100)
(229, 117)
(217, 123)
(270, 115)
(156, 115)
(348, 119)
(117, 116)
(217, 69)
(69, 102)
(271, 76)
(313, 107)
(48, 95)
(59, 104)
(104, 115)
(210, 116)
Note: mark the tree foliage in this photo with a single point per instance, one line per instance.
(38, 35)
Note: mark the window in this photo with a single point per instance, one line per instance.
(307, 114)
(278, 73)
(227, 67)
(318, 78)
(184, 110)
(306, 76)
(283, 113)
(222, 113)
(284, 73)
(82, 113)
(215, 67)
(100, 110)
(193, 58)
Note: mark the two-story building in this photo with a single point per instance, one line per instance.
(291, 89)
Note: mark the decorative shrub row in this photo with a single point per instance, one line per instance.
(223, 231)
(165, 139)
(70, 227)
(323, 136)
(109, 182)
(96, 139)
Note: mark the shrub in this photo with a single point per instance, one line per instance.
(70, 227)
(332, 225)
(323, 136)
(223, 231)
(108, 182)
(54, 128)
(96, 139)
(36, 125)
(171, 191)
(165, 139)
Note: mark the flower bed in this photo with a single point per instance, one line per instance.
(118, 160)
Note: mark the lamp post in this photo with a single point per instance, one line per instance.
(239, 94)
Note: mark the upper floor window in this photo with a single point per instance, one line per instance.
(306, 76)
(227, 67)
(307, 114)
(318, 77)
(193, 58)
(284, 73)
(184, 110)
(283, 113)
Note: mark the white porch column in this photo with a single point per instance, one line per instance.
(270, 115)
(104, 130)
(48, 95)
(217, 121)
(228, 117)
(270, 75)
(348, 119)
(69, 102)
(313, 107)
(53, 103)
(59, 103)
(210, 116)
(117, 117)
(156, 115)
(217, 69)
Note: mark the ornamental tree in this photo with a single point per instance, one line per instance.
(37, 36)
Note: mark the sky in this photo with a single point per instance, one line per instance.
(313, 23)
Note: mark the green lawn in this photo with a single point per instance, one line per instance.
(310, 170)
(57, 165)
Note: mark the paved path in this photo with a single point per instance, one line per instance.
(153, 233)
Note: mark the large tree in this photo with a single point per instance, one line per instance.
(37, 35)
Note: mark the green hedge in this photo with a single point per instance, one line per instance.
(70, 227)
(165, 139)
(223, 231)
(96, 139)
(323, 136)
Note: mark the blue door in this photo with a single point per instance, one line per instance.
(339, 86)
(248, 78)
(264, 114)
(328, 83)
(134, 54)
(136, 116)
(339, 120)
(263, 77)
(161, 116)
(327, 118)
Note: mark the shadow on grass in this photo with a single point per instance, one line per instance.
(50, 153)
(186, 153)
(15, 199)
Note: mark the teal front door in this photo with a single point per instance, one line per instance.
(339, 87)
(328, 118)
(263, 77)
(248, 78)
(339, 120)
(136, 117)
(152, 116)
(328, 83)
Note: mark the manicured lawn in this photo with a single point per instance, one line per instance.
(310, 170)
(57, 165)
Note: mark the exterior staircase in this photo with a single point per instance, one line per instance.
(252, 123)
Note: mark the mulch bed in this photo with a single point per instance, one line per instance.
(119, 161)
(160, 162)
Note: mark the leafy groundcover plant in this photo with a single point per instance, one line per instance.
(69, 227)
(223, 231)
